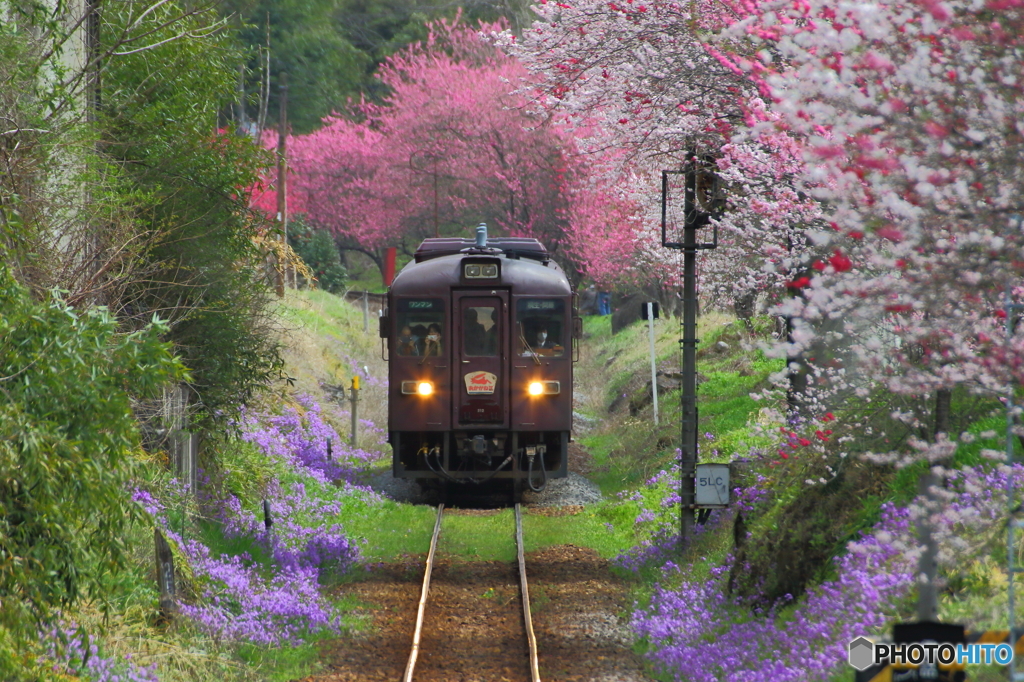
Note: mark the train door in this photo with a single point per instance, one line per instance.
(480, 383)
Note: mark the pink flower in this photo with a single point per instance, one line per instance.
(891, 233)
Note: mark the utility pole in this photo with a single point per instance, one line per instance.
(414, 168)
(688, 448)
(693, 219)
(282, 181)
(796, 366)
(928, 562)
(1014, 521)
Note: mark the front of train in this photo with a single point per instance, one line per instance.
(481, 338)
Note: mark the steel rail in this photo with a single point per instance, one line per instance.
(527, 617)
(410, 667)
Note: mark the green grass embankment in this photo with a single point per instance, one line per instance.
(613, 392)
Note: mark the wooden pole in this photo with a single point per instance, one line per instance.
(282, 179)
(354, 400)
(654, 369)
(165, 575)
(366, 312)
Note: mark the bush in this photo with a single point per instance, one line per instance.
(66, 437)
(161, 103)
(318, 251)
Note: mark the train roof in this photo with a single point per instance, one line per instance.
(523, 247)
(525, 267)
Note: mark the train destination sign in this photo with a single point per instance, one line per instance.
(480, 383)
(406, 305)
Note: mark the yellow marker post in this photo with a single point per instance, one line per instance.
(354, 400)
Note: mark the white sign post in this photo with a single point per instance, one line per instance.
(654, 371)
(712, 485)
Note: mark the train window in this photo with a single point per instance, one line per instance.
(540, 327)
(480, 331)
(419, 326)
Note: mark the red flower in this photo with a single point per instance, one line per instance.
(798, 283)
(804, 442)
(840, 262)
(818, 265)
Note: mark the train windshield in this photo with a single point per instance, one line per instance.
(480, 331)
(420, 325)
(540, 327)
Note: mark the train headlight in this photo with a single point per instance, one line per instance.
(417, 388)
(544, 388)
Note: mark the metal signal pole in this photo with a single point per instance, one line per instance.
(693, 218)
(688, 449)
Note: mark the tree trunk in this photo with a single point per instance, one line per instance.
(744, 306)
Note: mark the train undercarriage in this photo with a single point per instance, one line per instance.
(478, 456)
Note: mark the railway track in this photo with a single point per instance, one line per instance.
(524, 593)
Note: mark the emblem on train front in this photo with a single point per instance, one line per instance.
(480, 383)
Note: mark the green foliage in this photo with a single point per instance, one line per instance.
(795, 538)
(241, 468)
(626, 447)
(307, 42)
(66, 435)
(316, 248)
(607, 528)
(281, 664)
(490, 537)
(19, 665)
(160, 115)
(330, 49)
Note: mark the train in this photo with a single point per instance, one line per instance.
(481, 337)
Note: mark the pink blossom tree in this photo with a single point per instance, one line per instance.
(910, 118)
(634, 78)
(872, 154)
(452, 145)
